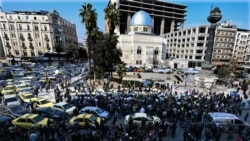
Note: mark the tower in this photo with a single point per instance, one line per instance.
(213, 18)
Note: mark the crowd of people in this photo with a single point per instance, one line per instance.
(187, 111)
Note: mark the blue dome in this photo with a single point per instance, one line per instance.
(141, 18)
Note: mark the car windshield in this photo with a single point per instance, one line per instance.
(10, 99)
(8, 88)
(29, 96)
(38, 118)
(43, 102)
(52, 110)
(99, 110)
(149, 118)
(16, 109)
(67, 106)
(92, 118)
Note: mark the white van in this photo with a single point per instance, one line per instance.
(225, 120)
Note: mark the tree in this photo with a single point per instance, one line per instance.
(112, 15)
(70, 52)
(58, 49)
(89, 18)
(82, 53)
(224, 72)
(120, 70)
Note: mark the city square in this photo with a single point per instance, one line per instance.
(143, 76)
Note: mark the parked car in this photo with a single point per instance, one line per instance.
(14, 110)
(10, 99)
(30, 120)
(96, 111)
(83, 118)
(26, 98)
(139, 117)
(162, 70)
(191, 71)
(5, 119)
(50, 112)
(41, 102)
(68, 108)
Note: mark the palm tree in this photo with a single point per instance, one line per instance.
(89, 18)
(58, 49)
(70, 52)
(120, 70)
(112, 15)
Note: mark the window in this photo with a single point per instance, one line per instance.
(27, 17)
(18, 18)
(13, 35)
(202, 30)
(145, 29)
(45, 27)
(28, 27)
(36, 35)
(139, 50)
(24, 53)
(34, 18)
(4, 27)
(135, 28)
(10, 17)
(12, 27)
(36, 28)
(17, 52)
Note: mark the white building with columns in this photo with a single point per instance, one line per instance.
(141, 47)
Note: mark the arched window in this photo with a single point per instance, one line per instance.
(156, 51)
(139, 50)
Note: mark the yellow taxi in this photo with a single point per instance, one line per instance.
(9, 81)
(30, 120)
(20, 87)
(27, 97)
(8, 88)
(10, 92)
(83, 118)
(41, 102)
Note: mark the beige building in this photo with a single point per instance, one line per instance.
(30, 34)
(224, 43)
(140, 47)
(242, 47)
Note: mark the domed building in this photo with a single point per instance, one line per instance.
(141, 47)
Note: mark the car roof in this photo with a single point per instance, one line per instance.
(28, 115)
(222, 115)
(90, 107)
(139, 115)
(61, 103)
(13, 105)
(4, 118)
(85, 115)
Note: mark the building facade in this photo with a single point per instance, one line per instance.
(224, 43)
(188, 44)
(140, 47)
(30, 34)
(242, 48)
(166, 17)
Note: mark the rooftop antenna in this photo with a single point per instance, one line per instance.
(211, 7)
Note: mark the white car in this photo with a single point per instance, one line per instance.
(68, 108)
(162, 70)
(191, 71)
(96, 111)
(138, 118)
